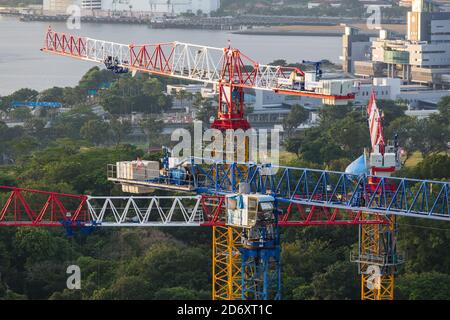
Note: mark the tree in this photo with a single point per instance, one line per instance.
(55, 94)
(436, 166)
(176, 293)
(94, 79)
(126, 288)
(68, 124)
(24, 94)
(120, 129)
(34, 244)
(152, 129)
(391, 110)
(424, 286)
(44, 278)
(182, 95)
(95, 131)
(34, 126)
(301, 259)
(338, 282)
(139, 94)
(444, 109)
(23, 146)
(21, 113)
(351, 134)
(73, 96)
(204, 109)
(183, 264)
(296, 117)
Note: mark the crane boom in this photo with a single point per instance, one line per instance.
(229, 70)
(186, 61)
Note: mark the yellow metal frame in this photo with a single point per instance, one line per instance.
(371, 245)
(226, 266)
(384, 292)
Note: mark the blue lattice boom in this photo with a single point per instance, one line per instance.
(331, 189)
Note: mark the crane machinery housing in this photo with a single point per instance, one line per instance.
(245, 203)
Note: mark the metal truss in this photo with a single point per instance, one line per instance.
(297, 215)
(184, 61)
(378, 259)
(226, 264)
(146, 211)
(330, 189)
(262, 274)
(27, 207)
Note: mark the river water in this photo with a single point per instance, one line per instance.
(22, 64)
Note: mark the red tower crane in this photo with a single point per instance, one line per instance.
(228, 69)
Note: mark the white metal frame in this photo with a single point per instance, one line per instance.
(145, 211)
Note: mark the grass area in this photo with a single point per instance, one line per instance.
(287, 157)
(414, 159)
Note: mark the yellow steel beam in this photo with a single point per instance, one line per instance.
(226, 267)
(370, 242)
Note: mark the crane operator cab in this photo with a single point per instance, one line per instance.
(255, 214)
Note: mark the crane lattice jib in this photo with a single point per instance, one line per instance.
(336, 191)
(332, 189)
(28, 207)
(218, 66)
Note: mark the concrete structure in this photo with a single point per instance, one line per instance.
(162, 7)
(420, 97)
(416, 97)
(384, 88)
(137, 7)
(56, 6)
(207, 92)
(91, 4)
(355, 46)
(423, 57)
(376, 3)
(318, 3)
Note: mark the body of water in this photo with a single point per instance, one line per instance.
(22, 64)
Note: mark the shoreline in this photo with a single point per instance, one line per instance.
(290, 33)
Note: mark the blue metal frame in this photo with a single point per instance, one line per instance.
(261, 274)
(333, 189)
(33, 104)
(261, 267)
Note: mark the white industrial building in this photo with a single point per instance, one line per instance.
(157, 7)
(149, 7)
(416, 97)
(56, 6)
(423, 57)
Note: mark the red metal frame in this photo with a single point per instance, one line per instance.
(311, 215)
(213, 210)
(28, 207)
(293, 214)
